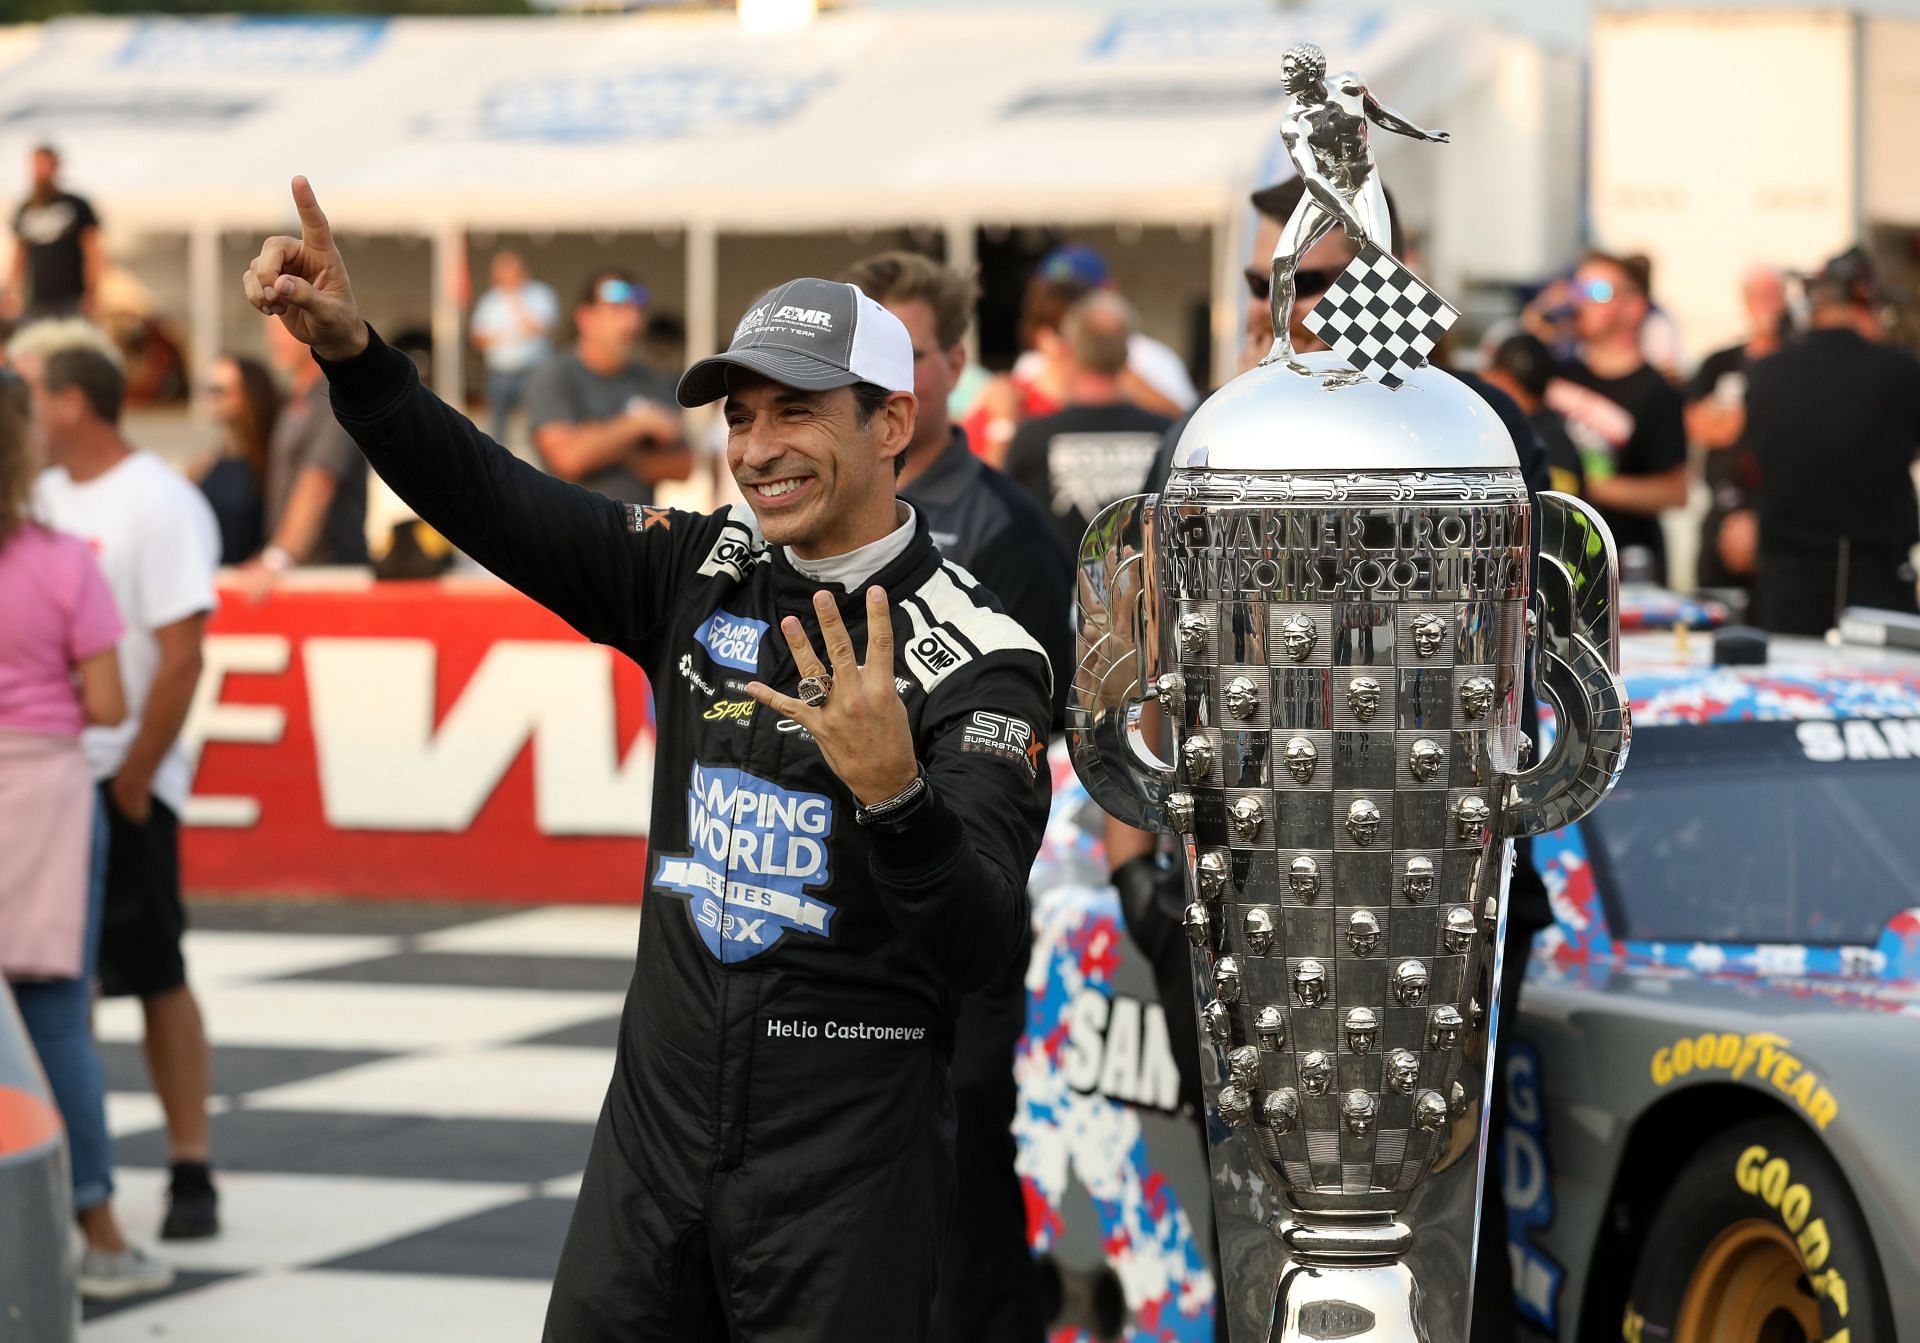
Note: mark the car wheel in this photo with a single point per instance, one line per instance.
(1759, 1240)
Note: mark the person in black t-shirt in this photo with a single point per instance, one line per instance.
(1716, 402)
(56, 256)
(1833, 422)
(1078, 460)
(1625, 417)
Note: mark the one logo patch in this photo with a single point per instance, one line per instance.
(933, 654)
(819, 317)
(754, 848)
(694, 678)
(729, 711)
(732, 554)
(732, 641)
(1009, 738)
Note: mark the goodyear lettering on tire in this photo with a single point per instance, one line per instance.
(1759, 1055)
(1769, 1178)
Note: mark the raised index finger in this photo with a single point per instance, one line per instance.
(314, 229)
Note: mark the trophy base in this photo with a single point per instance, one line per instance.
(1374, 1303)
(1345, 1281)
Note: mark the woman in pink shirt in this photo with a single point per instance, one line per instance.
(58, 673)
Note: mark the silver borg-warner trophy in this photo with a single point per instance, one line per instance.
(1329, 604)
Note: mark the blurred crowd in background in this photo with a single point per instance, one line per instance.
(1784, 458)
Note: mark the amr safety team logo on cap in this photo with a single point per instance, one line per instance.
(754, 848)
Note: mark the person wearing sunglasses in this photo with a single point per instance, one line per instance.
(599, 416)
(1627, 419)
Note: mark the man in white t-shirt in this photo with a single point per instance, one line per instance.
(158, 545)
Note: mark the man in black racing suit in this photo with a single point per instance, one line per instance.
(839, 843)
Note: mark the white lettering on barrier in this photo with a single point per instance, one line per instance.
(208, 719)
(385, 766)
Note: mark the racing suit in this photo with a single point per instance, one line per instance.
(774, 1157)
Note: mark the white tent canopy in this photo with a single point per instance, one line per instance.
(938, 119)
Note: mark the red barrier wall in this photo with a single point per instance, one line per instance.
(429, 739)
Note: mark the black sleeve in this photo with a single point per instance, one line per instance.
(607, 569)
(1033, 581)
(83, 215)
(954, 878)
(1659, 441)
(1162, 467)
(1027, 466)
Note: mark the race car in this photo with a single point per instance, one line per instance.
(1713, 1052)
(1718, 1040)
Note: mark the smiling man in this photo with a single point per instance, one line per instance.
(846, 804)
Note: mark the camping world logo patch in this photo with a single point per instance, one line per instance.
(754, 848)
(733, 641)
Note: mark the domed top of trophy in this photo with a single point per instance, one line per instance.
(1370, 401)
(1274, 418)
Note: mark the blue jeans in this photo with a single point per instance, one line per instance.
(505, 392)
(59, 1017)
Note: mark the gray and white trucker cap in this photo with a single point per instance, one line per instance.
(811, 334)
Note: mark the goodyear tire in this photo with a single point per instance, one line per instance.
(1759, 1240)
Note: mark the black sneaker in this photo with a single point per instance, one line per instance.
(193, 1208)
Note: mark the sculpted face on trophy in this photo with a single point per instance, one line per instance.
(1476, 697)
(1226, 980)
(1246, 815)
(1424, 759)
(1301, 756)
(1363, 821)
(1197, 923)
(1429, 1112)
(1419, 882)
(1472, 816)
(1457, 1101)
(1282, 1110)
(1316, 1073)
(1403, 1072)
(1180, 813)
(1310, 983)
(1297, 636)
(1197, 752)
(1447, 1026)
(1357, 1110)
(1213, 874)
(1193, 634)
(1363, 932)
(1363, 1029)
(1259, 930)
(1410, 983)
(1243, 698)
(1363, 697)
(1236, 1106)
(1428, 634)
(1303, 879)
(1459, 930)
(1243, 1065)
(1217, 1021)
(1270, 1029)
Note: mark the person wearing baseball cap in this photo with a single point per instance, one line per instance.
(848, 793)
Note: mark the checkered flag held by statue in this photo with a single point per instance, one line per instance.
(1381, 317)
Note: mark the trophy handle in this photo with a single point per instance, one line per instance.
(1118, 662)
(1578, 668)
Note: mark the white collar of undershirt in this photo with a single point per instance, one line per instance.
(863, 562)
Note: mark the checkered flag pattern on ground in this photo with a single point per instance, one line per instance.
(1381, 317)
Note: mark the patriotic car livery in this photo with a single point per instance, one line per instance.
(1716, 1058)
